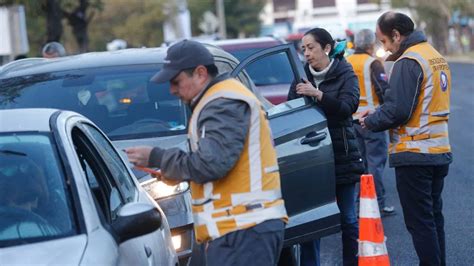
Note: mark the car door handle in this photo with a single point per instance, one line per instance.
(313, 138)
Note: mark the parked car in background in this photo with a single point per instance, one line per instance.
(296, 40)
(67, 197)
(113, 89)
(272, 75)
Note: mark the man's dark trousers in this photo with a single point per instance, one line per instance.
(419, 189)
(258, 245)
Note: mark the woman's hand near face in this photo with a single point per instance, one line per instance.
(307, 89)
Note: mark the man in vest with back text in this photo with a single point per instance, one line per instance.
(232, 164)
(372, 83)
(416, 110)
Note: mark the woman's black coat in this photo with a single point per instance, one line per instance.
(340, 100)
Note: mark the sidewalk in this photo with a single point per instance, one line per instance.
(461, 58)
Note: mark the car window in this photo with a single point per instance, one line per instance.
(270, 70)
(228, 66)
(114, 162)
(101, 183)
(35, 201)
(272, 76)
(120, 100)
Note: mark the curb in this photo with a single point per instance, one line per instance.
(461, 58)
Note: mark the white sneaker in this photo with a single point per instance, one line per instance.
(387, 211)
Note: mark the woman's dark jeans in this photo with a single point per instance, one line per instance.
(345, 194)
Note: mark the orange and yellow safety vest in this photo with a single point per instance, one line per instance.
(427, 129)
(250, 193)
(368, 98)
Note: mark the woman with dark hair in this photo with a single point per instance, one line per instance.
(334, 87)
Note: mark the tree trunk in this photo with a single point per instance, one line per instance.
(79, 23)
(440, 34)
(53, 21)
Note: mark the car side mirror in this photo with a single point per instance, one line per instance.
(136, 219)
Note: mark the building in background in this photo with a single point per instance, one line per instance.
(13, 37)
(282, 17)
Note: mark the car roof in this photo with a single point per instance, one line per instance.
(84, 61)
(244, 41)
(124, 57)
(21, 120)
(249, 43)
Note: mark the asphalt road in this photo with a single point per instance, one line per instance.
(458, 193)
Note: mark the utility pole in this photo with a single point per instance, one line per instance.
(221, 16)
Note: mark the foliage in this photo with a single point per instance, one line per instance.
(45, 17)
(436, 14)
(94, 23)
(242, 17)
(197, 9)
(140, 23)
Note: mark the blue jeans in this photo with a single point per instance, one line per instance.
(349, 226)
(373, 147)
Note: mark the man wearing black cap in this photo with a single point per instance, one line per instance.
(232, 164)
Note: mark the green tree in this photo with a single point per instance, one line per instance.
(242, 17)
(197, 9)
(140, 23)
(49, 14)
(435, 14)
(79, 14)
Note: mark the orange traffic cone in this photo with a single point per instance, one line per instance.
(372, 249)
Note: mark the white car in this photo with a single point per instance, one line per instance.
(68, 198)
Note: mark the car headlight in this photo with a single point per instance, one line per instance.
(176, 242)
(158, 189)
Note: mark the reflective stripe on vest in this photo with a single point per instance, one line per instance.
(427, 129)
(368, 99)
(250, 193)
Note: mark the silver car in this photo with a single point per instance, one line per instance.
(114, 91)
(67, 197)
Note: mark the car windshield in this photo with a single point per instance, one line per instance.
(34, 200)
(270, 70)
(120, 100)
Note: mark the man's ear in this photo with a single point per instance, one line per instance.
(396, 36)
(202, 74)
(201, 71)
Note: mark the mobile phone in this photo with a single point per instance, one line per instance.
(148, 170)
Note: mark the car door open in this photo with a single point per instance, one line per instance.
(305, 158)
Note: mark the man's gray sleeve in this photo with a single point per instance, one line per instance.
(224, 123)
(400, 98)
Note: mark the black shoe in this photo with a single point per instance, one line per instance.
(387, 211)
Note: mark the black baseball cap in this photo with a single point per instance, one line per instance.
(183, 55)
